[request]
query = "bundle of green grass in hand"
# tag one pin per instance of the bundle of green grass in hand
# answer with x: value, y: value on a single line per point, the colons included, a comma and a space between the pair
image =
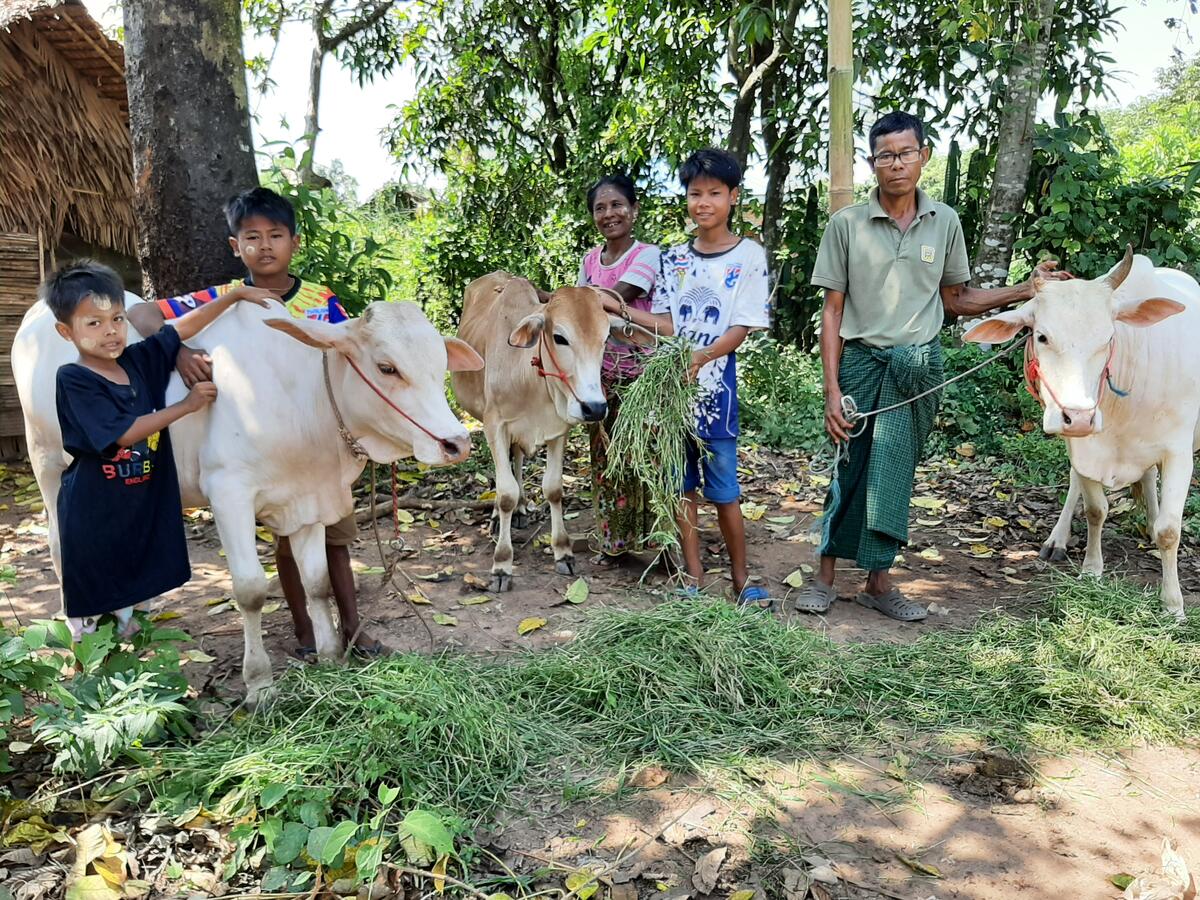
x: 656, y: 422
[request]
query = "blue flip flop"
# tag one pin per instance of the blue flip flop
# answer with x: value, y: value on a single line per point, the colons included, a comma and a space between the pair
x: 755, y: 598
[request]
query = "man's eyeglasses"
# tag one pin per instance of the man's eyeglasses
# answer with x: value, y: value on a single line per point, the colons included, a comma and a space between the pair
x: 884, y: 160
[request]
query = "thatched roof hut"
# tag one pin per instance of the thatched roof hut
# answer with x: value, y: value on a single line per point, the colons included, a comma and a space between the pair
x: 66, y: 164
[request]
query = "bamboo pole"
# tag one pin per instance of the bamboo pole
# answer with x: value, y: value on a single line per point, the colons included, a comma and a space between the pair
x: 841, y: 114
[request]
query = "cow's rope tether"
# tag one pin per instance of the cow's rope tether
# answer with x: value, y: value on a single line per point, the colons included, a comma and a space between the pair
x: 825, y: 463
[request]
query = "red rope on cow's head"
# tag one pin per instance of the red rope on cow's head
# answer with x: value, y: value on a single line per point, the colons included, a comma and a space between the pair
x: 558, y: 373
x: 384, y: 397
x: 1034, y: 376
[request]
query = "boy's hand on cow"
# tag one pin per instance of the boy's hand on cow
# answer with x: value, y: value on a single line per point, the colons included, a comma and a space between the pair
x: 200, y: 396
x: 836, y: 423
x: 262, y: 296
x: 193, y: 366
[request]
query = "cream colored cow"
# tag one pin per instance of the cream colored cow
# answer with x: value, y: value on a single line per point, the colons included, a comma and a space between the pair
x: 541, y: 376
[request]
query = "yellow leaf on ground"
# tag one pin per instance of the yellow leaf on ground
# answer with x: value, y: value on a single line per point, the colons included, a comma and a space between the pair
x: 404, y: 517
x: 265, y: 535
x: 931, y: 503
x: 439, y: 873
x: 995, y: 522
x: 476, y: 601
x: 271, y: 607
x: 795, y: 579
x: 166, y: 616
x: 533, y: 623
x: 443, y: 619
x: 91, y: 887
x: 931, y: 554
x: 578, y: 591
x: 418, y: 599
x: 583, y: 884
x: 216, y: 601
x: 742, y: 895
x: 982, y: 551
x: 487, y: 495
x: 753, y: 511
x: 921, y: 868
x: 1027, y: 524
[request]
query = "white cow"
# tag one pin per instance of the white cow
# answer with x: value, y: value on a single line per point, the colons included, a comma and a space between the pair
x: 269, y: 447
x: 1125, y: 395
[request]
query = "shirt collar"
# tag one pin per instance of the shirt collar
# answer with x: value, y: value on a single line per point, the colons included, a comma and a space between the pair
x: 876, y: 210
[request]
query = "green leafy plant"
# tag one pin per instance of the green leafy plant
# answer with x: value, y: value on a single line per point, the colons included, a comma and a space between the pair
x: 26, y: 669
x: 337, y: 248
x: 119, y: 699
x: 780, y: 397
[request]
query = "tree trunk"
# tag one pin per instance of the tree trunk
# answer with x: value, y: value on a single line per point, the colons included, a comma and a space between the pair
x: 190, y: 125
x: 1014, y: 152
x: 312, y: 122
x: 778, y: 163
x: 841, y: 111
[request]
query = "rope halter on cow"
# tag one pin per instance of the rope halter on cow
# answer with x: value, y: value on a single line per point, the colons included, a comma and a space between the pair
x: 356, y: 448
x: 558, y: 373
x: 1034, y: 376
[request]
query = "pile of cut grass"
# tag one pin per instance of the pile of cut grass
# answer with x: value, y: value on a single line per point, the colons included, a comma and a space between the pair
x: 655, y: 426
x: 691, y: 684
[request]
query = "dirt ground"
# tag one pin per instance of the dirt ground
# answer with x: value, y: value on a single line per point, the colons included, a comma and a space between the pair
x: 988, y: 829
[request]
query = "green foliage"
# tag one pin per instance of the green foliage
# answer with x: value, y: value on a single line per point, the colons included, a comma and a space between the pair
x: 685, y: 684
x: 983, y: 405
x: 1160, y: 134
x: 24, y: 670
x: 337, y: 248
x: 118, y: 699
x: 780, y: 398
x: 1084, y: 208
x: 1031, y: 459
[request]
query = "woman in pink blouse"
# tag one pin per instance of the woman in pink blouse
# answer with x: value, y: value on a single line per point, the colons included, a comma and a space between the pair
x: 629, y: 268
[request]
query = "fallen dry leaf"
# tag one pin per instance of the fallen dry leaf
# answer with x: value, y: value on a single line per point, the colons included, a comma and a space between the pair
x: 533, y: 623
x: 443, y: 619
x: 795, y: 579
x: 919, y: 867
x: 649, y: 777
x: 708, y: 869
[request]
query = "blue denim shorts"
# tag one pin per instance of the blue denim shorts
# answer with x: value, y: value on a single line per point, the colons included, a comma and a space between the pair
x: 719, y: 469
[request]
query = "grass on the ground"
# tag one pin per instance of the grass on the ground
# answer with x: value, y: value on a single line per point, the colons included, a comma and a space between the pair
x: 688, y: 684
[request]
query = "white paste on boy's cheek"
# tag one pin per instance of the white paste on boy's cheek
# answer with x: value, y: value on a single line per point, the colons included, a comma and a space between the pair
x: 87, y: 343
x: 102, y: 303
x: 250, y: 251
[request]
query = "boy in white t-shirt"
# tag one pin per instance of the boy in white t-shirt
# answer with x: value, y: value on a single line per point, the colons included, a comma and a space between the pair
x: 714, y: 291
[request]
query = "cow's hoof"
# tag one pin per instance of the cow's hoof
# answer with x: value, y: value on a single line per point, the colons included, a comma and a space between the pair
x: 501, y: 582
x: 565, y: 566
x: 1052, y: 553
x: 258, y: 698
x: 520, y: 520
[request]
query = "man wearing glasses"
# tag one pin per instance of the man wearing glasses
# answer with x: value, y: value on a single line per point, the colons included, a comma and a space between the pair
x: 892, y: 268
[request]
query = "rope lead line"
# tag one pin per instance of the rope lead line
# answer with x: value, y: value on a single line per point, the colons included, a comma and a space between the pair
x: 825, y: 464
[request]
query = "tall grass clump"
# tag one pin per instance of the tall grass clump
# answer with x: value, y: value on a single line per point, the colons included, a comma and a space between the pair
x: 691, y: 684
x: 656, y: 424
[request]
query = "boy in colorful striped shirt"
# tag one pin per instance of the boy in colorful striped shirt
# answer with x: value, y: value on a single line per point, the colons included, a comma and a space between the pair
x: 262, y: 226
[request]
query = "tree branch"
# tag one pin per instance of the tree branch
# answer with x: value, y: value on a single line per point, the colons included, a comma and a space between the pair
x: 356, y: 26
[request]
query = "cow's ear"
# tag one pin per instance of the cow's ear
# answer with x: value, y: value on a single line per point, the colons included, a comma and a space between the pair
x: 461, y: 356
x: 627, y: 333
x: 527, y: 332
x: 321, y: 335
x: 1001, y: 328
x: 1148, y: 312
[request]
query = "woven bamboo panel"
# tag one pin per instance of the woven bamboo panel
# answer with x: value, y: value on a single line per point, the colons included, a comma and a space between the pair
x: 19, y: 276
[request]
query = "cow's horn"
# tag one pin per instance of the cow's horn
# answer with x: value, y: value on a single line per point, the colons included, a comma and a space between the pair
x: 1114, y: 280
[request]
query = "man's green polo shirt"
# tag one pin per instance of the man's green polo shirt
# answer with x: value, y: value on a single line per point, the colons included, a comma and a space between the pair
x: 892, y: 280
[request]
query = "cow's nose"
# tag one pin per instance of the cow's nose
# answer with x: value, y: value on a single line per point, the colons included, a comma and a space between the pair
x: 456, y: 448
x: 593, y: 411
x: 1078, y: 422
